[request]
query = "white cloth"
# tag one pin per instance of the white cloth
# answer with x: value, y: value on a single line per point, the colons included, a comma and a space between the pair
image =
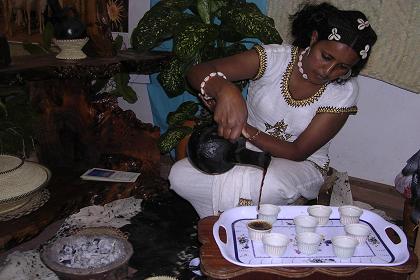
x: 280, y: 116
x: 284, y: 182
x: 285, y: 117
x: 27, y: 265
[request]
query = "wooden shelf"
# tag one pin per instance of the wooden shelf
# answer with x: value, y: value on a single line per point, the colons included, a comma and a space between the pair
x: 46, y: 66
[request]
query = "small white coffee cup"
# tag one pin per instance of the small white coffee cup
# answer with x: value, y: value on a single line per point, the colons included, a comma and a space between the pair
x: 359, y: 231
x: 275, y: 244
x: 344, y: 246
x: 308, y: 242
x: 268, y: 212
x: 321, y: 212
x: 349, y: 214
x: 304, y: 223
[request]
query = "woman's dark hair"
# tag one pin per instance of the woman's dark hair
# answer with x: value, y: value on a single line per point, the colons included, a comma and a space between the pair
x: 322, y: 18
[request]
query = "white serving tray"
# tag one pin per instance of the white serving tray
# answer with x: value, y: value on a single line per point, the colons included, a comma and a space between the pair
x: 378, y: 250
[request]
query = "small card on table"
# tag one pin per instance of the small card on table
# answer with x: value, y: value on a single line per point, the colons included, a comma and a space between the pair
x: 100, y: 174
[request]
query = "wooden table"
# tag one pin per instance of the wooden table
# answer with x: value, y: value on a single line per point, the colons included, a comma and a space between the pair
x: 215, y: 266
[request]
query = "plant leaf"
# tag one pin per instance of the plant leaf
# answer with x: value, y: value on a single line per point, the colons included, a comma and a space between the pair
x: 216, y: 6
x: 121, y: 78
x: 203, y: 8
x: 171, y: 138
x: 192, y: 38
x: 248, y: 20
x: 185, y: 111
x: 172, y: 77
x: 47, y: 35
x: 3, y: 107
x: 127, y: 93
x: 117, y: 43
x: 33, y: 48
x: 158, y: 23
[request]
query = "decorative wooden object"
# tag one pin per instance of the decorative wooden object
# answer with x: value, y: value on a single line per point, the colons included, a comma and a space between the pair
x: 98, y: 28
x: 47, y: 67
x: 214, y: 266
x: 79, y: 130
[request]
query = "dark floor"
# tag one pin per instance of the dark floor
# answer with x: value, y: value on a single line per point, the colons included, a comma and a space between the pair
x: 164, y: 237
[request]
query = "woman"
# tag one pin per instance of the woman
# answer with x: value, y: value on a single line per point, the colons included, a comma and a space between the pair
x: 299, y: 98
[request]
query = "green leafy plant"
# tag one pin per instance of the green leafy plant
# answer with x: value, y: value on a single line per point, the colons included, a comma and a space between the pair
x: 201, y: 30
x: 16, y: 121
x: 177, y: 127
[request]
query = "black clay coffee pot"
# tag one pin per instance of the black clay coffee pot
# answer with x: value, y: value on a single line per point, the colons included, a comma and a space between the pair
x: 66, y: 21
x: 213, y: 154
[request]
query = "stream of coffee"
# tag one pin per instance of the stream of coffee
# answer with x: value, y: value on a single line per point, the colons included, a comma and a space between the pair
x: 261, y: 187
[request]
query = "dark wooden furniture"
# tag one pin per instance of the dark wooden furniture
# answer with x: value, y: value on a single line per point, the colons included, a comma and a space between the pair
x: 78, y: 129
x: 215, y: 266
x: 68, y: 193
x: 76, y: 126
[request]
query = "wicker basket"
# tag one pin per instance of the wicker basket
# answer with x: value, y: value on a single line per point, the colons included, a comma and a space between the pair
x: 71, y: 49
x: 19, y: 181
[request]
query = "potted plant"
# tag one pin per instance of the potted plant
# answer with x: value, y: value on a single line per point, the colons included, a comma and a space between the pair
x: 201, y: 30
x: 16, y: 122
x: 181, y: 123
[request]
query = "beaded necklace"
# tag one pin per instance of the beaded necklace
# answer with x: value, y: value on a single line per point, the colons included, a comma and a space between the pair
x: 285, y: 85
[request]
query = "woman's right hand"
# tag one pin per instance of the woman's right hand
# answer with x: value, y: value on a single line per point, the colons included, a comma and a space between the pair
x: 230, y: 112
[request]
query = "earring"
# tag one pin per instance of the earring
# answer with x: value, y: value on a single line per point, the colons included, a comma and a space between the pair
x: 304, y: 75
x: 346, y: 76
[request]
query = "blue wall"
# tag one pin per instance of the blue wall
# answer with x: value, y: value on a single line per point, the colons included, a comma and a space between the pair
x: 160, y: 103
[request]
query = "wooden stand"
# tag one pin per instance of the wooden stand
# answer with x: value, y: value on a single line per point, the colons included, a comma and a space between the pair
x: 78, y: 130
x: 215, y: 266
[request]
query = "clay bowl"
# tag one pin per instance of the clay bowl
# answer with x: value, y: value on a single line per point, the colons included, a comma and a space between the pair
x: 118, y: 269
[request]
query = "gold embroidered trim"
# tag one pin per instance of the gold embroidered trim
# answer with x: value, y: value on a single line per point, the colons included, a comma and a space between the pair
x: 330, y: 109
x: 285, y: 85
x: 263, y: 62
x: 278, y: 130
x: 245, y: 202
x: 323, y: 169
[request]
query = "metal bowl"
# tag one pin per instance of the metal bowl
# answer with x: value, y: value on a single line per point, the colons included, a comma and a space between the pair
x: 117, y: 269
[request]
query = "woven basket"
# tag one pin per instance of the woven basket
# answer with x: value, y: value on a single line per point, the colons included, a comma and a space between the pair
x: 19, y: 182
x: 71, y: 49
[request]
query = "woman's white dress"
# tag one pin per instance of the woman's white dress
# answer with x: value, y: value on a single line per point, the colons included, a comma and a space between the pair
x: 273, y: 111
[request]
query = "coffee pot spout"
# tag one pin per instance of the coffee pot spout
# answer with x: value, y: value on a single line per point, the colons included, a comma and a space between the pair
x: 246, y: 156
x: 213, y: 154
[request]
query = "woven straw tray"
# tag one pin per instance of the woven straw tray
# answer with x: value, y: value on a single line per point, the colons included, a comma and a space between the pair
x: 378, y: 250
x: 18, y: 186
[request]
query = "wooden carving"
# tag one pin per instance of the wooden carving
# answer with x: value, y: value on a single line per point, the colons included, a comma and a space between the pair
x: 20, y: 12
x: 78, y: 130
x: 98, y: 28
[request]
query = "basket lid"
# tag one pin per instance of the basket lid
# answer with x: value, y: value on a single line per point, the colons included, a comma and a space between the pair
x: 20, y: 178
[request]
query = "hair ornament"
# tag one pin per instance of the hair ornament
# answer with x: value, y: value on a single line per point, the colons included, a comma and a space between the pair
x: 364, y: 52
x: 362, y: 24
x: 334, y: 35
